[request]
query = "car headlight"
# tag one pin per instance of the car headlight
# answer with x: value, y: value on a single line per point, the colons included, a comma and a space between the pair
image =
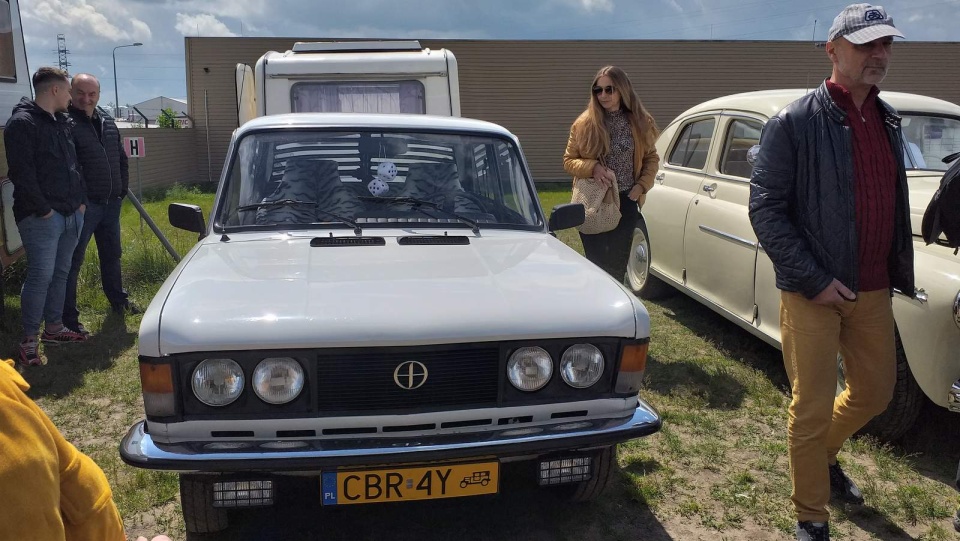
x: 581, y: 365
x: 956, y: 309
x: 529, y: 368
x: 217, y: 382
x: 278, y: 380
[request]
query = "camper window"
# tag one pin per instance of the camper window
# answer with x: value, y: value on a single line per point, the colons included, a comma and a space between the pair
x: 8, y: 63
x: 358, y: 97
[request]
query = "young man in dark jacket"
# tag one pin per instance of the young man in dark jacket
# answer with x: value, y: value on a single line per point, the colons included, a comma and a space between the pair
x: 100, y: 153
x: 828, y: 202
x: 48, y: 205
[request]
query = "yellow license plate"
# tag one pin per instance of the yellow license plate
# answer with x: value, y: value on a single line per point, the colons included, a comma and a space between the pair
x: 407, y: 484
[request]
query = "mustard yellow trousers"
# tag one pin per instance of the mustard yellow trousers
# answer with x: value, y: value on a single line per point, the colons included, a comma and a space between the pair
x: 819, y: 420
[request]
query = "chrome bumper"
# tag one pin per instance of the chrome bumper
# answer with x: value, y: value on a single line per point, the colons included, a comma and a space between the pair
x: 953, y: 397
x: 138, y: 449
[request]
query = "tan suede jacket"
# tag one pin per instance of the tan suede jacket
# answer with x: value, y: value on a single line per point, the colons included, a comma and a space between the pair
x: 645, y: 160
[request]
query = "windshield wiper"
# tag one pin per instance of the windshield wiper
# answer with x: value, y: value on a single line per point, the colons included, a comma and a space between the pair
x: 416, y: 203
x: 285, y: 202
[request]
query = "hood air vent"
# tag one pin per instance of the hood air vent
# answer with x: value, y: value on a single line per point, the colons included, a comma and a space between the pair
x: 347, y: 241
x: 433, y: 240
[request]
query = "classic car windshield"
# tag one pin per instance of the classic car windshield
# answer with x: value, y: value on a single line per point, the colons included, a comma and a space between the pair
x: 929, y: 138
x: 297, y: 179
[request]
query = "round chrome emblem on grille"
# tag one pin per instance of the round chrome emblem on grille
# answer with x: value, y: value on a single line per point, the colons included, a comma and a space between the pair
x: 410, y: 375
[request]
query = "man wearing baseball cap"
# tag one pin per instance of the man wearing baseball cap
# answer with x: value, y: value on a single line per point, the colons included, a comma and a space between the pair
x: 828, y: 202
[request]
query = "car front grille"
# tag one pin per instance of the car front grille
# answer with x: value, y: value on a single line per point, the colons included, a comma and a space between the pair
x: 407, y: 378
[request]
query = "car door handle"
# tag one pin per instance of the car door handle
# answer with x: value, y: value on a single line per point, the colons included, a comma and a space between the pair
x: 659, y: 177
x: 710, y: 187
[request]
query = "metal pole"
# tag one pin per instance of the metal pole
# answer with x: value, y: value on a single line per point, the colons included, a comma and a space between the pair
x: 156, y: 230
x: 206, y: 121
x: 116, y: 94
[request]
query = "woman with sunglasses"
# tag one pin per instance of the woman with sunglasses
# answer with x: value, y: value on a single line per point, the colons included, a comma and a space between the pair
x: 612, y: 142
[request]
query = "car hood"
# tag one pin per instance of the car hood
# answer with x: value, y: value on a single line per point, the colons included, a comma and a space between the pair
x: 922, y: 184
x: 279, y: 292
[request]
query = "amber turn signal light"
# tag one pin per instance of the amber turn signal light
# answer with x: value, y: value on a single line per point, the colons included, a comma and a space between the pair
x: 156, y: 378
x: 634, y: 358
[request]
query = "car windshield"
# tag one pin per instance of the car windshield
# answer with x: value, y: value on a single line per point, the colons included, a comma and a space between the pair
x: 301, y: 179
x: 929, y: 139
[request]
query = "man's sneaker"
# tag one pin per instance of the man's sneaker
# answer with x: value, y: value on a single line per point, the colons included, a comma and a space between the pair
x: 79, y: 328
x: 813, y: 531
x: 842, y: 488
x: 62, y: 336
x: 28, y: 353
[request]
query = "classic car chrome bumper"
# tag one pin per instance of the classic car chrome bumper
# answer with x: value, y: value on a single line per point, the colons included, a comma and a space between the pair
x: 519, y: 440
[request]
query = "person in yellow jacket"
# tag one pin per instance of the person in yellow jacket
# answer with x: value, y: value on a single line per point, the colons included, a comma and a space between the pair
x: 51, y: 491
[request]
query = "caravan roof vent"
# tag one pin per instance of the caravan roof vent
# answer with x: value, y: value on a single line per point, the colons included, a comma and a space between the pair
x: 354, y: 46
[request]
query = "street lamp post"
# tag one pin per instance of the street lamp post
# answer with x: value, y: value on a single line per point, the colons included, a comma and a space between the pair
x: 116, y: 96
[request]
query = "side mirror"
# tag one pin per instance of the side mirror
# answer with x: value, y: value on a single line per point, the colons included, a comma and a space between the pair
x: 752, y: 154
x: 188, y: 217
x: 566, y: 216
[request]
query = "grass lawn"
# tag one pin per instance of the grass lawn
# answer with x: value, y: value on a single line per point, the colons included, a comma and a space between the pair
x: 717, y: 470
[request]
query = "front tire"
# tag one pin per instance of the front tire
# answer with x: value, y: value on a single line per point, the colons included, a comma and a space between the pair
x: 638, y: 277
x: 904, y: 407
x: 196, y: 500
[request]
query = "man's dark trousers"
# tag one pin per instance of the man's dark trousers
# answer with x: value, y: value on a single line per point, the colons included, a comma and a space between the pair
x: 102, y: 222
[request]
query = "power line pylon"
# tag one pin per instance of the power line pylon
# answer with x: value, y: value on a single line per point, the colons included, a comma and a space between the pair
x: 62, y: 53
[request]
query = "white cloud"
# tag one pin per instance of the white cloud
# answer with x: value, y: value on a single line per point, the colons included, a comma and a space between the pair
x: 597, y: 5
x: 202, y: 24
x: 87, y: 17
x: 240, y: 9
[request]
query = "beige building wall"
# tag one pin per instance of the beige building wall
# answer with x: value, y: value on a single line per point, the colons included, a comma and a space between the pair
x: 537, y: 88
x: 170, y: 157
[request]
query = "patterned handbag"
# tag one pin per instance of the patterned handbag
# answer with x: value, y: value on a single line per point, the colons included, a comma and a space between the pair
x: 601, y: 205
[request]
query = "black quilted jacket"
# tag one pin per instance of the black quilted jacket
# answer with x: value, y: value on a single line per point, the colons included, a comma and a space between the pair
x: 101, y: 155
x: 802, y: 200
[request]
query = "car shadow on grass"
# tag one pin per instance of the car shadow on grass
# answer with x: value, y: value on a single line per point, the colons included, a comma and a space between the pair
x: 931, y: 445
x: 726, y: 337
x: 521, y: 511
x: 687, y: 378
x: 67, y: 363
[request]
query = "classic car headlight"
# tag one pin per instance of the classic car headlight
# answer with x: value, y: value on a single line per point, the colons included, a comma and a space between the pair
x: 217, y: 382
x: 529, y: 368
x: 278, y: 380
x: 581, y: 365
x: 956, y: 309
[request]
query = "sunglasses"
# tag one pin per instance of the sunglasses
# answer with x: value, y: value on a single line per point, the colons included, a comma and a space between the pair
x: 597, y: 90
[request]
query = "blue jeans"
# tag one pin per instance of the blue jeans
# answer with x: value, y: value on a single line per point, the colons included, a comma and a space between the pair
x: 49, y: 244
x: 102, y: 222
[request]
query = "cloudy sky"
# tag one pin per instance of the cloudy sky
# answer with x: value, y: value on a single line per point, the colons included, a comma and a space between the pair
x: 92, y: 28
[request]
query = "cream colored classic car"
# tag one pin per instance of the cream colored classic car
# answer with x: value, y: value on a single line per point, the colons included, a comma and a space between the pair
x: 694, y: 235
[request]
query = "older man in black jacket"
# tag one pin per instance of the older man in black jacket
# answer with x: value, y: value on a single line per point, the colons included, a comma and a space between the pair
x: 828, y: 202
x: 100, y: 153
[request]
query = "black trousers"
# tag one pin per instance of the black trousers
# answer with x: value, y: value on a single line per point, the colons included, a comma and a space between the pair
x: 611, y: 250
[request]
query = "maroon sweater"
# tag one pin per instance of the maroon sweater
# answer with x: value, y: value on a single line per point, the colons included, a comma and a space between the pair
x: 874, y: 185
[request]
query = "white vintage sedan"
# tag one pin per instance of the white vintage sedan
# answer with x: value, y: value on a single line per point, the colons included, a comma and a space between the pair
x: 378, y: 308
x: 694, y: 235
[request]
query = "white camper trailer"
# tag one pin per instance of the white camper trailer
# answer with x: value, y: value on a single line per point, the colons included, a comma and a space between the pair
x: 350, y: 76
x: 14, y: 84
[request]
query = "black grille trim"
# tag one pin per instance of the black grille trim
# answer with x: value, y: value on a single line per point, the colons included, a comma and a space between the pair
x: 362, y: 382
x: 434, y: 240
x: 319, y: 242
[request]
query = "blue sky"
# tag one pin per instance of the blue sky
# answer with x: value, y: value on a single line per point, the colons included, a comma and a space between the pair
x: 92, y: 28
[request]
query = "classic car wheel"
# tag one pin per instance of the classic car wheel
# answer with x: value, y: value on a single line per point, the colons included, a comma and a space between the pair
x: 904, y: 407
x: 196, y: 500
x: 605, y: 467
x: 638, y: 277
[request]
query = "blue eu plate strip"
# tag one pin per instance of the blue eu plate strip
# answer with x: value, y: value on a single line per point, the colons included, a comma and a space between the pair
x: 329, y: 487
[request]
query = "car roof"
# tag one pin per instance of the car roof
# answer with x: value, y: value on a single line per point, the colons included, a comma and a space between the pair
x: 352, y: 121
x: 770, y: 102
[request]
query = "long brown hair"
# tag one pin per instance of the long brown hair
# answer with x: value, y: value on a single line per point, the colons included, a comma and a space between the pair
x: 596, y: 140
